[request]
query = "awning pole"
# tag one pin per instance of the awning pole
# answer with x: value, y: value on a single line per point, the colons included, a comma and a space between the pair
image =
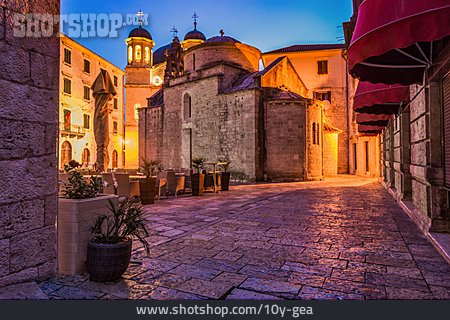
x: 411, y: 56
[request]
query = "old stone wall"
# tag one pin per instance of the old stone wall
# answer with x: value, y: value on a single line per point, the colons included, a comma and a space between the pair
x: 150, y: 131
x: 421, y: 191
x: 209, y: 54
x: 285, y: 140
x: 28, y: 139
x: 220, y: 126
x: 284, y: 75
x: 314, y: 133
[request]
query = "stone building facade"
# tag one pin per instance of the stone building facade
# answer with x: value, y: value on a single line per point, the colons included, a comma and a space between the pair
x: 415, y: 143
x: 224, y: 107
x: 29, y: 69
x: 323, y: 68
x: 79, y: 67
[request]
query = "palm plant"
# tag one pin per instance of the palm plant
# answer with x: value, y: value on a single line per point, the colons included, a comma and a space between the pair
x: 125, y: 222
x: 198, y: 164
x: 224, y: 163
x: 149, y: 167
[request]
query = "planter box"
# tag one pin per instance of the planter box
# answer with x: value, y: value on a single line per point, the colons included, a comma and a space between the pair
x: 74, y: 219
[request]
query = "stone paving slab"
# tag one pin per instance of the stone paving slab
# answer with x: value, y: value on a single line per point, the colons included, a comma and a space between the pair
x: 344, y: 238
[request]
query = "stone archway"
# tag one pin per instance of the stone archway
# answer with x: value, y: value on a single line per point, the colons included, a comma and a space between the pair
x: 115, y: 159
x: 66, y: 153
x: 86, y: 157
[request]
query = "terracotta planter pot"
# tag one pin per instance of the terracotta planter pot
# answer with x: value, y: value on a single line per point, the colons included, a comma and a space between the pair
x: 198, y: 181
x: 108, y: 261
x: 74, y: 219
x: 225, y: 181
x: 147, y: 189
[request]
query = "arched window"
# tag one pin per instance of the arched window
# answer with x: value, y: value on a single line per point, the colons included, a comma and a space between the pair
x: 138, y: 53
x: 136, y: 111
x: 130, y: 54
x: 314, y: 132
x: 86, y: 157
x: 147, y: 55
x: 115, y: 159
x: 187, y: 103
x: 66, y: 153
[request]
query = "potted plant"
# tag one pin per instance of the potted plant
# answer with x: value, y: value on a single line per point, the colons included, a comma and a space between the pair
x: 109, y: 252
x: 147, y: 186
x: 198, y: 178
x: 78, y: 206
x: 225, y: 181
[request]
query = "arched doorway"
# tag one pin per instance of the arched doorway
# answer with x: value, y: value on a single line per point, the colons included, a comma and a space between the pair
x: 66, y: 153
x: 115, y: 159
x: 86, y: 157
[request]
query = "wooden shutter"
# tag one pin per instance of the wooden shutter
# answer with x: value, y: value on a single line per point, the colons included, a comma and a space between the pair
x: 446, y: 102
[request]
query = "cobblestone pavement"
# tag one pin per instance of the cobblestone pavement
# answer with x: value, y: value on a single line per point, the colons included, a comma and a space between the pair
x: 344, y: 238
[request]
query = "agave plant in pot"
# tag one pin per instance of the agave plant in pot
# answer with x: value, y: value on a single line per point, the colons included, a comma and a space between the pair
x: 109, y: 252
x: 147, y: 186
x: 197, y: 178
x: 225, y: 181
x: 78, y: 207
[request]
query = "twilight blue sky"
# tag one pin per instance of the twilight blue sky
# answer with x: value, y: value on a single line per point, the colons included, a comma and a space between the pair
x: 265, y: 24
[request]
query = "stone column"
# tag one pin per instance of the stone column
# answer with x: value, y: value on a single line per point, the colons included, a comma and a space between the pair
x: 439, y: 214
x: 405, y: 154
x: 29, y: 86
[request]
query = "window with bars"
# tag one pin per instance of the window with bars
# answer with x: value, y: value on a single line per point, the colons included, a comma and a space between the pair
x: 86, y: 121
x: 87, y: 66
x: 116, y: 81
x: 322, y: 67
x: 322, y: 95
x: 87, y: 93
x: 115, y: 127
x: 67, y: 86
x: 115, y: 104
x: 67, y: 56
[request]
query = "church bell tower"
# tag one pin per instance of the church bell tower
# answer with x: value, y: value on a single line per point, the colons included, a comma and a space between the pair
x: 138, y: 87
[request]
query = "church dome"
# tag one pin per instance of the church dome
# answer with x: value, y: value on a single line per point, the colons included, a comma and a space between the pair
x: 140, y: 33
x: 222, y: 39
x: 195, y: 35
x: 159, y: 56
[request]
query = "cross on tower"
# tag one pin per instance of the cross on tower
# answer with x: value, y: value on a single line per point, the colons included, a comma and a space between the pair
x: 140, y: 14
x: 174, y: 31
x: 221, y: 33
x: 195, y: 17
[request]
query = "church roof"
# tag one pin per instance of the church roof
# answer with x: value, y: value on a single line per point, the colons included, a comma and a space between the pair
x: 195, y: 35
x: 286, y: 95
x: 308, y: 47
x: 222, y: 39
x: 140, y: 33
x: 159, y: 56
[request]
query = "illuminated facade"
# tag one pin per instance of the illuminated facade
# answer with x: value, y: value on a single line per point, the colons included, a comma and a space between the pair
x: 144, y: 77
x: 79, y: 67
x: 322, y: 67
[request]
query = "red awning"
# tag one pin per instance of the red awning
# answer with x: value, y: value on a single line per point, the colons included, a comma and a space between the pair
x: 392, y: 41
x: 370, y: 129
x: 379, y: 98
x: 380, y: 120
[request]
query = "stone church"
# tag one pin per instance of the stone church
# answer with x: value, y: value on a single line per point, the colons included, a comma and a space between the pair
x: 216, y: 103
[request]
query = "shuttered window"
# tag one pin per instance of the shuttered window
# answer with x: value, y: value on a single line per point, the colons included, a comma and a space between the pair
x: 446, y: 100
